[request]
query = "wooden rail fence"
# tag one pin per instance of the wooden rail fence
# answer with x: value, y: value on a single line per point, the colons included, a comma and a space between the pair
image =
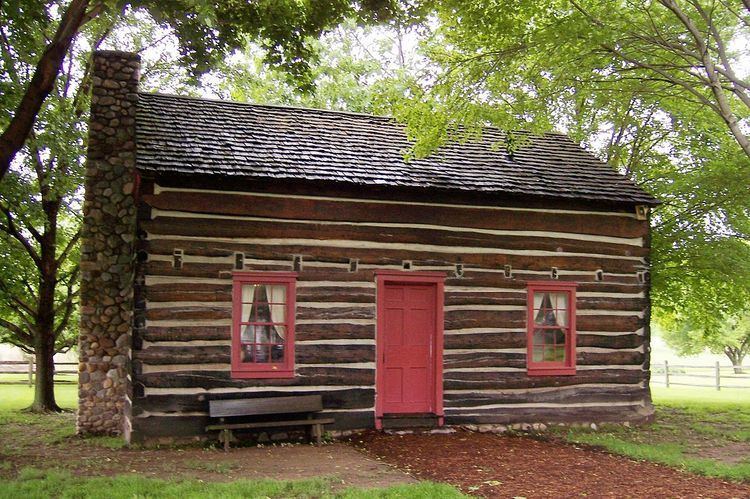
x: 28, y: 367
x: 668, y: 375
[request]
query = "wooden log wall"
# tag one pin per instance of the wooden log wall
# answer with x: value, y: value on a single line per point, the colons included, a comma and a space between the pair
x: 183, y: 318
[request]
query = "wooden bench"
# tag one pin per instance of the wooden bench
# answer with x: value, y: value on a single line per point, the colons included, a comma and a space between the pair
x: 290, y: 408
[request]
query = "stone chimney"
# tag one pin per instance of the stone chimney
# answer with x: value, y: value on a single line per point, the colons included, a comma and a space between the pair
x: 107, y: 250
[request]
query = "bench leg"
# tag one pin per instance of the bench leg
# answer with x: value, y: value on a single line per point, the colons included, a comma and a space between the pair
x: 226, y: 436
x: 318, y: 434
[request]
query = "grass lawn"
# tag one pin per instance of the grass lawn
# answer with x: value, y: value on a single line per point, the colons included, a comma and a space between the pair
x: 700, y: 430
x: 33, y: 483
x: 14, y: 397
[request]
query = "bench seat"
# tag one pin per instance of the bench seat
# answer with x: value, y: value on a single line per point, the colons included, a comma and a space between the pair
x: 287, y: 408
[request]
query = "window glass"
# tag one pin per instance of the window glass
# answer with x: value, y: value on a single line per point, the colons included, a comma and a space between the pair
x: 262, y: 326
x: 550, y: 336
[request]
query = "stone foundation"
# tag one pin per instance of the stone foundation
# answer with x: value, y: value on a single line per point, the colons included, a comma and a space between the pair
x: 107, y: 255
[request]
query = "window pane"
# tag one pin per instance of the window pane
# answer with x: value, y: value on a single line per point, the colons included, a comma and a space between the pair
x: 550, y: 309
x: 276, y: 293
x: 560, y: 300
x: 248, y: 292
x: 278, y: 313
x: 544, y: 314
x: 277, y: 353
x: 538, y: 337
x: 549, y: 353
x: 538, y: 354
x: 247, y: 353
x: 248, y: 313
x: 248, y: 334
x: 557, y: 354
x: 261, y: 353
x: 277, y: 334
x: 549, y: 336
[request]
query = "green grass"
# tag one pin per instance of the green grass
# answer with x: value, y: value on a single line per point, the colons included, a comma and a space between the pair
x: 692, y: 427
x: 32, y: 483
x: 16, y: 397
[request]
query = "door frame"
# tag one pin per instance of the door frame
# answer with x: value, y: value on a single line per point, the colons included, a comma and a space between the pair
x: 436, y: 279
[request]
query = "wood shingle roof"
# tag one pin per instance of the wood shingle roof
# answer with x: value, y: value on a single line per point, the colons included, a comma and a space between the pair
x: 180, y: 135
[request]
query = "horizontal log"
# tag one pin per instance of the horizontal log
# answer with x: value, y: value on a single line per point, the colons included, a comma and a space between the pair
x: 325, y: 331
x: 280, y: 229
x: 353, y: 420
x: 204, y: 292
x: 304, y: 376
x: 562, y: 395
x: 633, y: 304
x: 322, y: 314
x: 206, y: 312
x: 483, y: 359
x: 504, y: 380
x: 336, y: 294
x: 486, y: 340
x: 609, y: 323
x: 334, y: 354
x: 486, y: 298
x: 158, y: 355
x: 462, y: 319
x: 305, y: 354
x: 605, y: 341
x: 295, y: 208
x: 187, y: 333
x: 379, y: 255
x: 615, y: 358
x: 147, y: 428
x: 602, y: 414
x: 355, y: 398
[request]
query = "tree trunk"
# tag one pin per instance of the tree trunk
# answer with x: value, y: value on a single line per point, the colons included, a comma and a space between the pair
x: 44, y: 396
x: 44, y: 386
x: 736, y: 356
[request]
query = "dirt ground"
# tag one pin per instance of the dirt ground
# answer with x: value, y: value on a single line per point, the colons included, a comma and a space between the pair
x: 504, y: 466
x: 42, y: 446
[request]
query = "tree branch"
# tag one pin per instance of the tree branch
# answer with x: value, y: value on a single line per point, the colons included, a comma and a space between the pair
x: 13, y: 231
x: 17, y: 330
x: 42, y: 83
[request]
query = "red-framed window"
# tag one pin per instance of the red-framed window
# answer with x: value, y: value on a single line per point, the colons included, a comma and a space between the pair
x: 551, y: 328
x: 263, y: 324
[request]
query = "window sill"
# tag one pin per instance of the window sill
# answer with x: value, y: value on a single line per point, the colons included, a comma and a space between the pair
x: 263, y: 374
x: 551, y: 371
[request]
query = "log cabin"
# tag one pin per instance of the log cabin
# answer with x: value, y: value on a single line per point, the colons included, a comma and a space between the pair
x: 238, y: 251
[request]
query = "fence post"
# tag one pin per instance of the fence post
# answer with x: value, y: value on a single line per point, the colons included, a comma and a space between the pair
x: 718, y: 376
x: 31, y: 370
x: 666, y: 373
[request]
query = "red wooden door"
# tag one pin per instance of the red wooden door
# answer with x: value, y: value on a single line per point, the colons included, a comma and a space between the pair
x: 409, y: 319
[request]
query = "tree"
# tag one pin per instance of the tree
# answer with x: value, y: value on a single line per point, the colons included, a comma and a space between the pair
x: 40, y: 199
x: 732, y: 339
x: 636, y: 84
x: 284, y: 28
x: 357, y: 69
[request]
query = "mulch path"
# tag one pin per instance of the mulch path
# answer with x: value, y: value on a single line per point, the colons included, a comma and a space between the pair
x: 490, y: 465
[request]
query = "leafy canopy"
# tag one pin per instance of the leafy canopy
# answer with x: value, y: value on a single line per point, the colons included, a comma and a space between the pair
x: 654, y: 88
